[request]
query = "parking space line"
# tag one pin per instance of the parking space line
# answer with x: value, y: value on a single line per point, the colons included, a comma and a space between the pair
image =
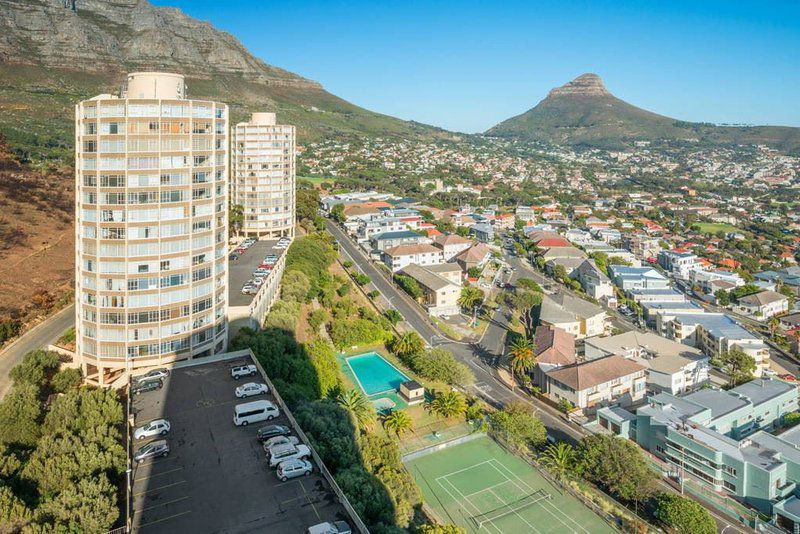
x: 309, y: 499
x: 157, y: 474
x: 140, y: 510
x: 153, y: 462
x: 173, y: 516
x: 159, y: 488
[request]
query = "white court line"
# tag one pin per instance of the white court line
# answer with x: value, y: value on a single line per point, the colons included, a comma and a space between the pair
x: 465, y: 469
x: 467, y: 501
x: 516, y: 512
x: 490, y: 488
x: 545, y: 502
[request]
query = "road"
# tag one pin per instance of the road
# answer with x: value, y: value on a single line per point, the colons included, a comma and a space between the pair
x: 41, y: 335
x: 483, y: 356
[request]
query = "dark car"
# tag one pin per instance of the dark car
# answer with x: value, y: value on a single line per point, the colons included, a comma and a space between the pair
x: 270, y: 431
x: 233, y: 256
x: 147, y: 385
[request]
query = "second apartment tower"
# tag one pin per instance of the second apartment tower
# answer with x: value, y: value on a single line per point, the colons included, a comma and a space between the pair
x: 263, y: 175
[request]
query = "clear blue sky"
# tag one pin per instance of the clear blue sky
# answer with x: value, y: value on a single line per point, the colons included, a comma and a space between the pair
x: 466, y: 65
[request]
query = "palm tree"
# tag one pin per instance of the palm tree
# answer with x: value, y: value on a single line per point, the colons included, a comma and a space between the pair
x: 359, y: 406
x: 448, y: 404
x: 521, y: 356
x: 559, y: 458
x: 397, y: 421
x: 407, y: 343
x: 470, y: 297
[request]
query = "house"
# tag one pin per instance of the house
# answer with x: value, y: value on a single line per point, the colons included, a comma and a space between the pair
x: 525, y: 213
x: 595, y: 282
x: 561, y: 252
x: 706, y: 279
x: 366, y: 227
x: 452, y: 245
x: 679, y: 263
x: 672, y: 367
x: 642, y: 246
x: 483, y: 232
x: 387, y: 240
x: 790, y: 322
x: 440, y: 292
x: 576, y: 316
x: 763, y: 305
x: 475, y: 256
x: 399, y: 257
x: 630, y: 278
x: 716, y: 333
x: 504, y: 221
x: 553, y: 347
x: 654, y: 311
x: 721, y: 440
x: 596, y: 383
x: 789, y: 277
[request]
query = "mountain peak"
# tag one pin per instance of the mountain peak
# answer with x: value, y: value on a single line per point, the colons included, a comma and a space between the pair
x: 588, y: 84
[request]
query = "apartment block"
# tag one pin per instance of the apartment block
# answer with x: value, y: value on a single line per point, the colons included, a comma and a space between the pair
x: 151, y: 227
x: 263, y: 175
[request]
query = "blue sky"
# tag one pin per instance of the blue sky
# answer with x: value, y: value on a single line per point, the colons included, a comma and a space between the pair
x: 468, y: 65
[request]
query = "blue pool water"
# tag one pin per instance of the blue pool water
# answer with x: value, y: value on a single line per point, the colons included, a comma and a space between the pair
x: 374, y: 374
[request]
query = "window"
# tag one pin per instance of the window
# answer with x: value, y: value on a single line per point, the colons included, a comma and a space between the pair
x: 730, y: 470
x: 90, y: 146
x: 165, y: 265
x: 730, y: 486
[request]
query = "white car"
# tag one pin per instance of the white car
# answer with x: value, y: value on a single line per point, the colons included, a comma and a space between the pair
x: 250, y: 389
x: 280, y: 440
x: 159, y: 427
x: 282, y: 453
x: 293, y: 469
x: 238, y: 371
x: 337, y: 527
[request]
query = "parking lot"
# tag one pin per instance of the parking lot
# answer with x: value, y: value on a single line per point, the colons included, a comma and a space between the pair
x: 216, y: 477
x: 241, y: 270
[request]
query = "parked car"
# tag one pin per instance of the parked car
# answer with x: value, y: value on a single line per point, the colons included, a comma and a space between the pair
x: 154, y: 374
x: 336, y: 527
x: 159, y: 427
x: 266, y: 432
x: 233, y: 256
x: 147, y: 385
x: 238, y: 371
x: 249, y: 289
x: 271, y: 259
x: 152, y: 450
x: 788, y: 377
x: 240, y: 250
x: 280, y: 440
x: 256, y: 282
x: 293, y: 469
x: 250, y: 389
x: 261, y: 271
x: 288, y: 452
x: 254, y: 412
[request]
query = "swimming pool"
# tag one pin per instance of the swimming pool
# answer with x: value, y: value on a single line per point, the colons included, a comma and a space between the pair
x: 374, y: 374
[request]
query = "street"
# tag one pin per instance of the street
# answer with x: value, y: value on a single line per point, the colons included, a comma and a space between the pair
x: 40, y: 336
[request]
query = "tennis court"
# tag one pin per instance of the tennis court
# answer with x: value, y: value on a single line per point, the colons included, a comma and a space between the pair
x: 483, y: 488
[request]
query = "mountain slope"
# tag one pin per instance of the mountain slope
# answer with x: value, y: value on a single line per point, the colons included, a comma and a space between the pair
x: 583, y: 112
x: 51, y: 57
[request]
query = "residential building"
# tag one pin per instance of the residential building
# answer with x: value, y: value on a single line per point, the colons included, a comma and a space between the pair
x: 263, y: 175
x: 387, y: 240
x: 672, y: 367
x: 597, y: 383
x: 475, y: 256
x: 642, y: 246
x: 397, y: 258
x: 562, y: 252
x: 630, y: 278
x: 655, y: 312
x: 452, y: 245
x: 574, y: 315
x: 594, y: 281
x: 763, y: 305
x: 679, y: 263
x: 151, y: 227
x: 553, y: 347
x: 789, y: 277
x: 706, y: 280
x: 440, y: 291
x: 667, y: 294
x: 366, y: 227
x: 525, y: 213
x: 483, y: 232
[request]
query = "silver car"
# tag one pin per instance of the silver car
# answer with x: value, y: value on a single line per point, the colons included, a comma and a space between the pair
x: 153, y: 428
x: 250, y: 389
x: 152, y: 450
x: 293, y: 469
x: 280, y: 440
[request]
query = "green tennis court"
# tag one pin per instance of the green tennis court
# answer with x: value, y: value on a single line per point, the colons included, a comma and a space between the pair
x: 483, y: 488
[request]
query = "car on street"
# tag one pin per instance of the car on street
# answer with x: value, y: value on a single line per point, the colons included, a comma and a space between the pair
x: 280, y: 440
x: 266, y: 432
x: 250, y: 389
x: 152, y: 450
x: 293, y: 469
x: 336, y: 527
x: 159, y: 427
x: 154, y: 374
x: 788, y: 377
x: 238, y: 371
x: 282, y: 453
x: 147, y: 385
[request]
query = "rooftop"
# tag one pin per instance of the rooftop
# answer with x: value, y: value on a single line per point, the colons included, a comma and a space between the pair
x: 407, y: 250
x: 718, y: 325
x: 595, y: 372
x: 430, y: 280
x: 396, y: 235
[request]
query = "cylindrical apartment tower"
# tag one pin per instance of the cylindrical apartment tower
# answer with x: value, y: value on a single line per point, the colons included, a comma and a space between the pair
x: 151, y: 225
x: 263, y: 181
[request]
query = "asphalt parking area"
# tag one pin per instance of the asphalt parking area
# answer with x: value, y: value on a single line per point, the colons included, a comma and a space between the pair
x: 216, y: 477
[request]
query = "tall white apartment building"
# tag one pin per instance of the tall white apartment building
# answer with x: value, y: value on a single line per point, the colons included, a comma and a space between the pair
x: 263, y: 168
x: 151, y: 227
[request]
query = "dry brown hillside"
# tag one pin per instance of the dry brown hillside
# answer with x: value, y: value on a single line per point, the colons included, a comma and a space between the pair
x: 36, y: 238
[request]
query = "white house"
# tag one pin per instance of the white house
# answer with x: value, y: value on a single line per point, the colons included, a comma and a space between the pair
x: 574, y: 315
x: 452, y: 244
x: 595, y: 282
x: 398, y: 257
x: 629, y: 278
x: 763, y: 305
x: 678, y: 263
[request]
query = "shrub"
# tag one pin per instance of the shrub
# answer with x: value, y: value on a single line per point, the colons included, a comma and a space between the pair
x: 316, y: 318
x: 372, y: 295
x: 516, y: 425
x: 295, y: 286
x: 343, y: 290
x: 19, y: 416
x: 66, y: 379
x: 284, y: 315
x: 409, y: 285
x: 33, y: 367
x: 347, y: 264
x: 9, y: 328
x: 684, y: 516
x: 393, y: 316
x: 618, y: 465
x: 440, y: 364
x: 346, y: 333
x: 361, y: 279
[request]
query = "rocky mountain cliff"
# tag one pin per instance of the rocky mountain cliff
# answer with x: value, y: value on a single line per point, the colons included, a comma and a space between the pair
x: 52, y: 56
x: 584, y: 112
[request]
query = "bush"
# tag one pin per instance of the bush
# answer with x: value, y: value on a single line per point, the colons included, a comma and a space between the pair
x: 284, y: 315
x: 393, y: 316
x: 295, y: 286
x: 33, y: 367
x: 323, y: 358
x: 517, y: 426
x: 316, y: 318
x: 347, y: 264
x: 343, y: 290
x: 372, y: 295
x: 66, y: 379
x: 791, y: 419
x: 440, y: 364
x: 8, y: 329
x: 361, y: 279
x: 347, y: 333
x: 409, y: 285
x: 20, y: 411
x: 616, y: 464
x: 684, y: 516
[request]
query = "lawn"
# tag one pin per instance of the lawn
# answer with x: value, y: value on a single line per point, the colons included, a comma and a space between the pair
x: 314, y: 180
x: 713, y: 228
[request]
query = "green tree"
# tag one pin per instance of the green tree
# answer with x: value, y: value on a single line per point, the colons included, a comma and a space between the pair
x: 474, y: 272
x: 235, y: 219
x: 447, y: 404
x: 283, y: 315
x: 521, y: 356
x: 66, y: 379
x: 529, y: 285
x: 439, y: 364
x: 322, y: 356
x: 723, y: 297
x: 90, y: 505
x: 559, y: 458
x: 470, y: 297
x: 33, y: 367
x: 409, y: 285
x: 337, y: 213
x: 516, y: 425
x: 295, y: 286
x: 393, y: 316
x: 738, y: 365
x: 617, y: 464
x: 397, y: 421
x: 407, y: 343
x: 361, y: 279
x: 84, y: 409
x: 20, y: 411
x: 359, y: 407
x: 684, y: 516
x: 560, y: 273
x: 13, y: 511
x: 439, y: 529
x: 316, y: 318
x: 525, y: 303
x: 791, y: 419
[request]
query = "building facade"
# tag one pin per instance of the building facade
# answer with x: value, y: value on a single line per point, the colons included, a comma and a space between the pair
x: 263, y: 175
x: 151, y: 227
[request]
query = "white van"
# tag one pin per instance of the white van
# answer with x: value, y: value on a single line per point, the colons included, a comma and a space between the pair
x: 253, y: 412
